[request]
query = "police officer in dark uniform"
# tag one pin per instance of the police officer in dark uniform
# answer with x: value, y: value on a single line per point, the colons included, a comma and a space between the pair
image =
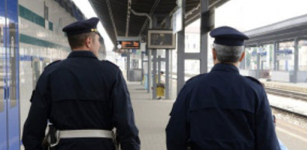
x: 84, y: 98
x: 222, y: 110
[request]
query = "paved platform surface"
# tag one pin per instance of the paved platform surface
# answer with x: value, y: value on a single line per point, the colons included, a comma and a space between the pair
x: 151, y: 117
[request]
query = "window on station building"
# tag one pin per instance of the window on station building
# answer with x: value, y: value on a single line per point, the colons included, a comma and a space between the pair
x: 302, y: 55
x: 250, y: 61
x: 192, y: 31
x: 285, y: 56
x: 266, y: 57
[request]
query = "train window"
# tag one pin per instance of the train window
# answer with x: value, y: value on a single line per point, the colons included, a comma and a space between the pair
x: 285, y: 56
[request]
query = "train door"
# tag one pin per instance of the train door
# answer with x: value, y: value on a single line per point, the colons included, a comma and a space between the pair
x: 9, y: 72
x: 12, y: 83
x: 3, y: 102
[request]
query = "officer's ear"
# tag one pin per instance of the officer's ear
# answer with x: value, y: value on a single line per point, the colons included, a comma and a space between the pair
x: 242, y: 56
x: 88, y: 41
x: 214, y: 54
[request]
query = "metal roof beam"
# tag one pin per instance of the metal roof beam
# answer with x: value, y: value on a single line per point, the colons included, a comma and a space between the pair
x: 111, y: 16
x: 128, y: 17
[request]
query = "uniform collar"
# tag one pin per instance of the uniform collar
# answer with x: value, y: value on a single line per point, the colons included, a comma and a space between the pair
x: 75, y: 54
x: 225, y: 67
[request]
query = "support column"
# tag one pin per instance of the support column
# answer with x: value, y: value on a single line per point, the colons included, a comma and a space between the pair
x: 258, y: 62
x: 296, y: 52
x: 149, y: 53
x: 149, y: 71
x: 159, y: 69
x: 167, y: 74
x: 277, y: 62
x: 142, y: 66
x: 275, y: 56
x: 128, y: 64
x: 167, y: 64
x: 204, y: 36
x: 180, y: 50
x: 154, y: 72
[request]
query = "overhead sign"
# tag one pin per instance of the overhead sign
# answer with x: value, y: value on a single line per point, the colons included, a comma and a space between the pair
x: 161, y: 39
x: 128, y: 44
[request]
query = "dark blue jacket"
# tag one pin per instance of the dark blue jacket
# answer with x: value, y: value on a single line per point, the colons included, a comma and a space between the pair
x: 81, y: 92
x: 221, y: 110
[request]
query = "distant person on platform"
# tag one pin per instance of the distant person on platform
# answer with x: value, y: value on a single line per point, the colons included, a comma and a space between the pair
x: 222, y: 110
x: 84, y: 98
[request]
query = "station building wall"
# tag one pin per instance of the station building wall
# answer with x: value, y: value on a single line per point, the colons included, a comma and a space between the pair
x: 41, y: 42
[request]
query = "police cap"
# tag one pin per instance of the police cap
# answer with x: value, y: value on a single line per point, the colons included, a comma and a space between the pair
x: 228, y: 36
x: 82, y: 26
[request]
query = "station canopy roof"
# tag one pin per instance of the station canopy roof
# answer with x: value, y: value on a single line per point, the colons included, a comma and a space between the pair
x: 119, y: 22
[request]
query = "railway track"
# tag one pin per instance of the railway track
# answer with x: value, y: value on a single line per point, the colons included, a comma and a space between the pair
x: 291, y: 94
x: 285, y: 93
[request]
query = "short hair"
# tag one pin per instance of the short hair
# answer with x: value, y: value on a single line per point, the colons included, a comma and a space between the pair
x: 76, y: 41
x: 228, y: 54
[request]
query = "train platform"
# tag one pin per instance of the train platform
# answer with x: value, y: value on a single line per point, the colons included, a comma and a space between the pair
x: 151, y: 117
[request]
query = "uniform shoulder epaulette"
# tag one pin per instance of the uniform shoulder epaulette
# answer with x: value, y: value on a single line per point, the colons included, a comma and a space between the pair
x: 254, y: 79
x: 54, y: 62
